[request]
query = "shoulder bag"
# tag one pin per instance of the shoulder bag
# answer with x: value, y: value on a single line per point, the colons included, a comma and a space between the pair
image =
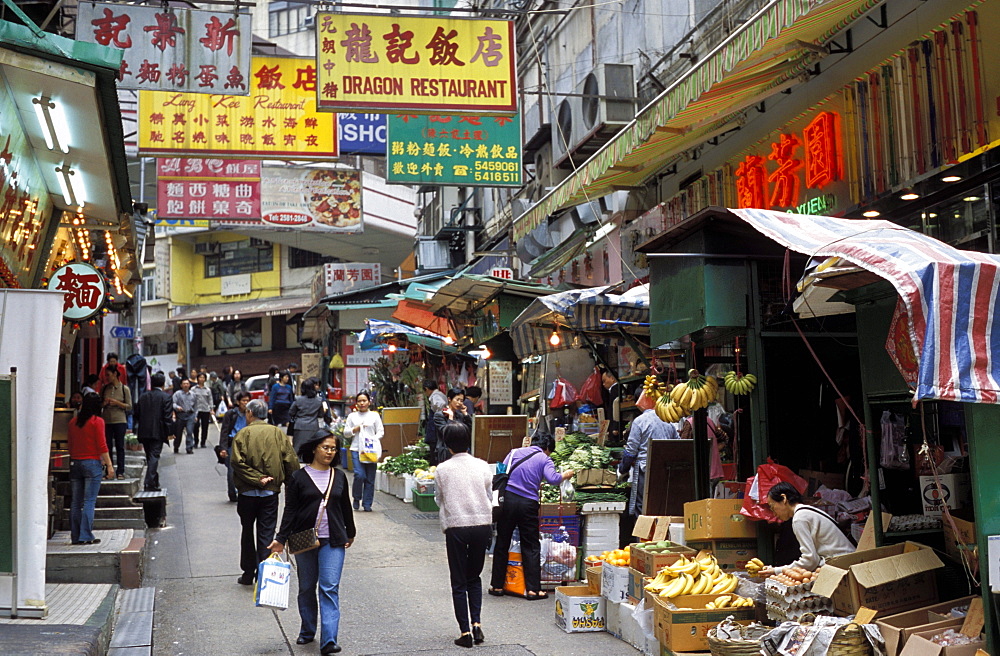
x: 309, y: 539
x: 500, y: 479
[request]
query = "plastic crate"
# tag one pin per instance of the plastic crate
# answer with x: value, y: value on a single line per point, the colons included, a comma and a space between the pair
x: 424, y: 502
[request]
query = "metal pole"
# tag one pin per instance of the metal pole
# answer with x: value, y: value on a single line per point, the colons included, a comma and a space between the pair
x: 13, y: 491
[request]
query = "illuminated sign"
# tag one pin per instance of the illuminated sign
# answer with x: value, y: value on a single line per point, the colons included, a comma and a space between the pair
x: 277, y: 119
x: 780, y: 185
x: 415, y: 64
x: 85, y: 290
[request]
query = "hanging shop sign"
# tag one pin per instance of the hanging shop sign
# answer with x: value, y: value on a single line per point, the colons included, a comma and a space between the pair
x: 25, y: 204
x: 85, y: 290
x: 362, y: 133
x: 416, y: 64
x: 188, y: 188
x: 454, y: 150
x: 172, y: 49
x: 501, y: 383
x: 342, y: 277
x: 315, y: 200
x: 277, y: 119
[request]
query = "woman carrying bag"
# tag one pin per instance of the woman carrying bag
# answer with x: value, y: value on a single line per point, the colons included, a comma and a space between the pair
x: 318, y: 519
x: 365, y: 428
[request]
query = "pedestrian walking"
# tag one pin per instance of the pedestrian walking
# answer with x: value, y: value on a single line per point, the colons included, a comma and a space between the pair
x: 364, y: 425
x: 218, y: 390
x: 456, y: 410
x: 183, y: 402
x: 117, y: 401
x: 280, y: 399
x: 308, y: 413
x: 154, y: 422
x: 464, y: 494
x: 111, y: 363
x: 88, y: 462
x: 234, y: 386
x: 316, y: 496
x: 232, y: 422
x: 528, y: 467
x: 262, y: 460
x: 203, y: 408
x: 179, y: 378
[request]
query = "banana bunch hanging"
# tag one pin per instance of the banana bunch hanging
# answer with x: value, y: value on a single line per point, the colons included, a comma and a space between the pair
x: 694, y: 394
x: 653, y: 388
x: 739, y: 384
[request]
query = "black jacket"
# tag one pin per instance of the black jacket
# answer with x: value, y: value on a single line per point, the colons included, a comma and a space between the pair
x: 226, y: 427
x: 302, y: 501
x: 154, y: 417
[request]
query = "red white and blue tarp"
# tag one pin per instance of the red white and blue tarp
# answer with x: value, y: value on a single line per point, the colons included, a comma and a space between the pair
x: 950, y: 295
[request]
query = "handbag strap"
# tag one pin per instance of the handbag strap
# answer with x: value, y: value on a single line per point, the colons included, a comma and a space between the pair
x: 326, y: 496
x: 524, y: 459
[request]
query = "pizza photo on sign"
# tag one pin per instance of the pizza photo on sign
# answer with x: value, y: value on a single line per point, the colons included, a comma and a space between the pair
x: 337, y: 200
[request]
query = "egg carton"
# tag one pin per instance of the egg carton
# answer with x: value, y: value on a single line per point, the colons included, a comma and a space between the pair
x: 778, y: 590
x: 603, y: 507
x: 780, y: 614
x: 812, y: 603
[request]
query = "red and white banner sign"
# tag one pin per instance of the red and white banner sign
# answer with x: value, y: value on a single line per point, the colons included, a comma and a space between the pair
x: 217, y: 189
x: 172, y: 49
x: 338, y: 277
x: 85, y: 288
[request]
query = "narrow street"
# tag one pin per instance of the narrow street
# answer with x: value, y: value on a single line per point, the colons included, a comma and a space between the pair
x: 395, y: 597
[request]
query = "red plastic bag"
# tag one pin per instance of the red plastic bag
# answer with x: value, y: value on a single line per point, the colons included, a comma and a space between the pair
x: 768, y: 475
x: 564, y: 395
x: 590, y: 391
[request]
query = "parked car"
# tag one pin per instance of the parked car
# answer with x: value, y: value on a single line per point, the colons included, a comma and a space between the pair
x: 257, y: 385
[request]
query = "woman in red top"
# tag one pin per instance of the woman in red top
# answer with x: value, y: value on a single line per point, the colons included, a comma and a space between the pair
x: 88, y: 462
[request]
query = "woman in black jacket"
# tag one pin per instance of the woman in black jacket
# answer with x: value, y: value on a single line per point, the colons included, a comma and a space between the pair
x: 306, y: 508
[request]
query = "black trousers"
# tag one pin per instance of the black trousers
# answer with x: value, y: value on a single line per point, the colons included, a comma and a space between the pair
x: 202, y: 422
x: 259, y: 518
x: 153, y: 450
x: 522, y: 514
x: 467, y: 547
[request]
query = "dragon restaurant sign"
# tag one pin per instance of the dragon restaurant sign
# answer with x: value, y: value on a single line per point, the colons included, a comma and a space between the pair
x: 798, y: 169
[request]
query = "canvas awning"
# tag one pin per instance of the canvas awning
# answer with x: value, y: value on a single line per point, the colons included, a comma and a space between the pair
x: 768, y: 54
x: 467, y: 292
x: 371, y: 337
x: 579, y: 311
x: 949, y: 296
x: 213, y: 312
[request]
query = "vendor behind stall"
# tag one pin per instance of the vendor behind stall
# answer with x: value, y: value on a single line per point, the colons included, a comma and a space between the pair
x: 818, y: 534
x: 647, y: 426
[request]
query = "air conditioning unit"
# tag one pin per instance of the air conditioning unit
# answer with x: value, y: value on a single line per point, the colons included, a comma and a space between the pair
x: 546, y: 173
x: 535, y: 123
x: 433, y: 254
x: 605, y: 103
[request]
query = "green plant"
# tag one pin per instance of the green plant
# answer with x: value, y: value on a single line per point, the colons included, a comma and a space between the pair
x: 395, y: 382
x: 404, y: 464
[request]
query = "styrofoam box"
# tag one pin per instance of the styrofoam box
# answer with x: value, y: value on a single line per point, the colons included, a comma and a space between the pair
x: 614, y: 583
x: 613, y: 618
x: 676, y: 533
x: 631, y: 633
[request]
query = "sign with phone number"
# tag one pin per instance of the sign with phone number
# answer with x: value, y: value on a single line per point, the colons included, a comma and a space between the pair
x: 454, y: 150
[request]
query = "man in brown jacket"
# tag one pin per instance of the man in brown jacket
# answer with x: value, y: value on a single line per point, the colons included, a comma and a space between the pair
x: 262, y: 459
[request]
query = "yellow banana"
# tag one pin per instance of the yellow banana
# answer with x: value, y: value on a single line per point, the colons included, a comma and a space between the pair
x: 688, y: 585
x: 703, y: 582
x: 673, y: 589
x: 731, y: 585
x: 723, y: 601
x: 710, y: 606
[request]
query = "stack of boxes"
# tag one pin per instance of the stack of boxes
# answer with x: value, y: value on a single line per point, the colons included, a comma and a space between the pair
x: 716, y: 525
x: 600, y: 532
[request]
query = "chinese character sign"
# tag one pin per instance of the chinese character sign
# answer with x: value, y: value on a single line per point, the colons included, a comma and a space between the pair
x: 208, y: 188
x: 168, y: 48
x: 277, y: 119
x: 414, y: 63
x: 340, y: 277
x: 362, y: 133
x: 455, y: 150
x: 308, y: 199
x: 85, y: 290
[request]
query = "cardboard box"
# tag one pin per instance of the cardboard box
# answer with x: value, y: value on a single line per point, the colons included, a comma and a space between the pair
x: 963, y: 541
x: 614, y: 583
x: 920, y: 644
x: 649, y: 562
x: 896, y: 629
x: 636, y: 581
x: 687, y: 630
x: 731, y: 554
x: 818, y: 478
x: 594, y: 580
x: 716, y: 519
x: 957, y: 489
x: 577, y: 610
x: 888, y: 579
x: 654, y: 527
x: 595, y: 477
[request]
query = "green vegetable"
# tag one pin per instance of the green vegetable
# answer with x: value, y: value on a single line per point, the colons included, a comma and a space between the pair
x: 404, y: 464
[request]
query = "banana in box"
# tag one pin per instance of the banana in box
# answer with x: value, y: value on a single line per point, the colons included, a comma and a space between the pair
x: 682, y: 623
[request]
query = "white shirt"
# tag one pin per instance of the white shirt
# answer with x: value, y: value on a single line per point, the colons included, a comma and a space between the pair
x: 371, y: 430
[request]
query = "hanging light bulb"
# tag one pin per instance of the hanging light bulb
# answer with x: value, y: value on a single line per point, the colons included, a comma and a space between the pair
x: 392, y: 348
x: 448, y: 340
x: 555, y: 339
x: 576, y: 342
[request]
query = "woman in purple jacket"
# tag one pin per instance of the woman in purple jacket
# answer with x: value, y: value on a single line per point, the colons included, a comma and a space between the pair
x: 520, y: 511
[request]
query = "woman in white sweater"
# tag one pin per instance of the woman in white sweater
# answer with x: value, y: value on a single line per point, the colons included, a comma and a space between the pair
x: 465, y: 495
x: 818, y: 534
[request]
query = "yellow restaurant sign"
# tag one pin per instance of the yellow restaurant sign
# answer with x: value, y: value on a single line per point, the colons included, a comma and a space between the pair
x: 278, y: 118
x: 416, y: 64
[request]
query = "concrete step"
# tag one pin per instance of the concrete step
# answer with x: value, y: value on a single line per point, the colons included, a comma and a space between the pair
x: 115, y: 560
x: 127, y: 512
x: 114, y: 501
x: 114, y: 518
x: 118, y: 487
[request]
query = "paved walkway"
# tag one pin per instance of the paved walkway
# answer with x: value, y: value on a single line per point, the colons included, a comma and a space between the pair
x: 395, y: 596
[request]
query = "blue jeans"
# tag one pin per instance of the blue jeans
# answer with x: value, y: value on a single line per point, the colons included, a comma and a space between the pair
x: 364, y: 481
x: 85, y: 483
x: 322, y: 565
x: 114, y: 435
x: 185, y: 423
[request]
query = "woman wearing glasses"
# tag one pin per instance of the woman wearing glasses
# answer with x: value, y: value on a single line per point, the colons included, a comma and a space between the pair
x: 309, y: 505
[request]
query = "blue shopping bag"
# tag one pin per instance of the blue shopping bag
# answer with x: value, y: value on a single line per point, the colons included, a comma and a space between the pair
x: 273, y: 580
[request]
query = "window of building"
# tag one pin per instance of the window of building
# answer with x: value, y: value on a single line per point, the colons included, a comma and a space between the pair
x: 300, y: 259
x: 238, y: 334
x: 234, y: 257
x: 287, y: 17
x: 147, y: 291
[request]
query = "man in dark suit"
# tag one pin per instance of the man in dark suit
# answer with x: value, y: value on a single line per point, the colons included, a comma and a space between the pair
x: 154, y: 419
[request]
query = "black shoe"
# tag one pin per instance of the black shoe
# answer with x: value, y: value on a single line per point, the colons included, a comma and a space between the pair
x: 177, y: 450
x: 303, y: 641
x: 464, y: 640
x: 357, y: 505
x: 233, y: 499
x: 246, y: 579
x: 94, y: 541
x: 78, y: 542
x: 368, y: 509
x: 477, y: 634
x: 190, y: 451
x: 330, y: 648
x: 150, y: 488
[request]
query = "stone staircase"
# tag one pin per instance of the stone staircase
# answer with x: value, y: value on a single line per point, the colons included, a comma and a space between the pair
x: 115, y: 509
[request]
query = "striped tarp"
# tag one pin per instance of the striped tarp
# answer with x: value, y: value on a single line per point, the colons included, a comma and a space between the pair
x: 578, y: 310
x: 950, y: 295
x: 369, y: 337
x: 761, y: 57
